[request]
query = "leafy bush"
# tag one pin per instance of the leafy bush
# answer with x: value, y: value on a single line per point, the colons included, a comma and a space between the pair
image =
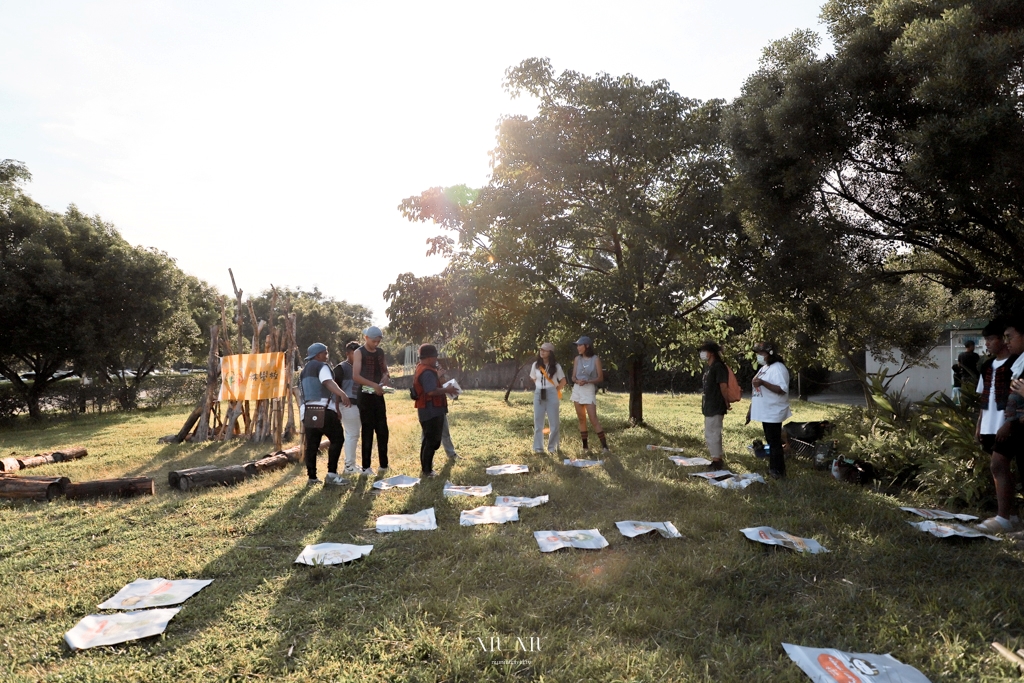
x: 928, y: 446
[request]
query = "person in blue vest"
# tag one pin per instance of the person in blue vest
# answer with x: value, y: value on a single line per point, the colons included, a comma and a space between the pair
x: 431, y: 406
x: 319, y: 389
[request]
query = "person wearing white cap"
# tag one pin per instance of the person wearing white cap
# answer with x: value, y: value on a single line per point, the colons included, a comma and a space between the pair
x: 587, y: 373
x: 548, y: 379
x: 370, y: 369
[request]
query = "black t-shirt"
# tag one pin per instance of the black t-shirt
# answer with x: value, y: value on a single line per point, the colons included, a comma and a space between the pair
x: 713, y: 403
x: 968, y: 362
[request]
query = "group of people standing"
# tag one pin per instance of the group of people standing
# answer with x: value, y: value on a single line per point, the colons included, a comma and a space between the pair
x: 1000, y: 426
x: 549, y: 380
x: 769, y: 402
x: 348, y: 399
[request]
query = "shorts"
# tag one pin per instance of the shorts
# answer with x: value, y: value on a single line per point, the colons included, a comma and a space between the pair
x: 584, y: 395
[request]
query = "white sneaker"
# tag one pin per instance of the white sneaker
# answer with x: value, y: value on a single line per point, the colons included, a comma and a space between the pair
x: 334, y: 479
x: 352, y: 469
x: 606, y: 450
x: 368, y: 472
x: 995, y: 525
x: 382, y: 470
x: 312, y: 482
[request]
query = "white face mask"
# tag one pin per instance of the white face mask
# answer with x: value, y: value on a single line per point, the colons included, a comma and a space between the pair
x: 761, y: 360
x: 703, y: 355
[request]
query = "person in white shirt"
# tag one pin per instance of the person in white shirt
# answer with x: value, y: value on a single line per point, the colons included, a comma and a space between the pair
x: 548, y: 379
x: 319, y: 389
x: 769, y: 404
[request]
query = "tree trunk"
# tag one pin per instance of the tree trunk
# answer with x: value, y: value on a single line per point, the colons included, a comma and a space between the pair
x: 212, y: 369
x: 636, y: 392
x: 34, y: 488
x: 515, y: 375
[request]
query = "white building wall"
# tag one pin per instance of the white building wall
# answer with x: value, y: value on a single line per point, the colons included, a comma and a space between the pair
x: 920, y: 381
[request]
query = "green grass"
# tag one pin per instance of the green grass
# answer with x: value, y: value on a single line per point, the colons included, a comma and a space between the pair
x: 709, y: 607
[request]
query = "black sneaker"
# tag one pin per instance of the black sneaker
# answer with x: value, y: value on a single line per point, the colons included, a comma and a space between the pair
x: 716, y: 465
x: 775, y: 474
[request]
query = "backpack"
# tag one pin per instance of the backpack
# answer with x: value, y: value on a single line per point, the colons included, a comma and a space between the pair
x: 733, y: 392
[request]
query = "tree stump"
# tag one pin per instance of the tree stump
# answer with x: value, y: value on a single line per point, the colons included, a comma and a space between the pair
x: 123, y: 488
x: 33, y: 488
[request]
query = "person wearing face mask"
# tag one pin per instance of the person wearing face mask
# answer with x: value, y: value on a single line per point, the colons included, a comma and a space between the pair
x: 769, y: 403
x: 714, y: 403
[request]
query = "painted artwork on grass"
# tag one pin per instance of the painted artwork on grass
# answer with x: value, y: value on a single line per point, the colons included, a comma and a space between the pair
x: 825, y: 665
x: 110, y: 629
x: 489, y: 514
x: 587, y: 539
x: 332, y: 553
x: 142, y: 593
x: 633, y: 529
x: 451, y: 490
x: 770, y: 536
x: 423, y: 520
x: 520, y: 501
x: 508, y: 469
x: 399, y: 481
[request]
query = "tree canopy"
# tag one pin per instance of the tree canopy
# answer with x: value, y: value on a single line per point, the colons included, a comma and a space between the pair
x: 603, y: 214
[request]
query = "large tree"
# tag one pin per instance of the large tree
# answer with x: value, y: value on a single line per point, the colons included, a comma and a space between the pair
x: 908, y: 140
x: 604, y: 209
x: 74, y: 294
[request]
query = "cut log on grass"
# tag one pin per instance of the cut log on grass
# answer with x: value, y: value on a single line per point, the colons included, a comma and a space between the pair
x: 9, y: 465
x: 270, y: 463
x: 123, y: 488
x: 71, y: 453
x: 33, y: 488
x: 201, y: 477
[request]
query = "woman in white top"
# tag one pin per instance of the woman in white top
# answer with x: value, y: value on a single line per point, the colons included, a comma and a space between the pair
x: 548, y: 380
x: 587, y: 373
x: 769, y: 403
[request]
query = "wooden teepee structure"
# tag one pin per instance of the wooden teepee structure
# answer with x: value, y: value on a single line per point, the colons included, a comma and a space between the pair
x: 258, y: 421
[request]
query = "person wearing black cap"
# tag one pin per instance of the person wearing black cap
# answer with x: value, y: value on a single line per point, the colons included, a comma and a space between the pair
x: 714, y: 402
x: 431, y: 406
x: 318, y: 387
x: 587, y: 373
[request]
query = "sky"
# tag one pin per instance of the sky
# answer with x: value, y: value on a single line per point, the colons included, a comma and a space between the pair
x: 278, y: 139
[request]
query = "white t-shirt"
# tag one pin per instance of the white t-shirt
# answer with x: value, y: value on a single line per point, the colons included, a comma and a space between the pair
x: 991, y: 417
x: 540, y: 382
x: 332, y: 402
x: 765, y: 405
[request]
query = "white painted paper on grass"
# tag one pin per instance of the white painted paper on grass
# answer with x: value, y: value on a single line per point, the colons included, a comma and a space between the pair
x: 688, y: 462
x: 451, y: 490
x: 507, y: 469
x: 423, y: 520
x: 770, y: 536
x: 582, y: 463
x: 142, y: 593
x: 633, y: 529
x: 835, y: 666
x: 399, y: 481
x: 588, y: 539
x: 489, y: 514
x: 738, y: 481
x: 671, y: 449
x: 332, y: 553
x: 453, y: 383
x: 948, y: 529
x: 717, y: 474
x: 111, y: 629
x: 519, y: 501
x: 940, y: 514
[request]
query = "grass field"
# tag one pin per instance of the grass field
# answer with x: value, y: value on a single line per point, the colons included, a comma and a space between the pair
x: 711, y: 606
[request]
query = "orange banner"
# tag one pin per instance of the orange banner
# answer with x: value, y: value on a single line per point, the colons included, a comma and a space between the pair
x: 252, y: 377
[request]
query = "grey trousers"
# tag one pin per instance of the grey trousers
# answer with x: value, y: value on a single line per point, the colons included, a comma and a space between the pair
x: 713, y: 435
x: 547, y: 407
x: 446, y: 439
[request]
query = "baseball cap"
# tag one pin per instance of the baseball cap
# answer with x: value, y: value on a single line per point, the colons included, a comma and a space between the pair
x: 315, y: 349
x: 373, y: 332
x: 584, y: 340
x: 547, y: 346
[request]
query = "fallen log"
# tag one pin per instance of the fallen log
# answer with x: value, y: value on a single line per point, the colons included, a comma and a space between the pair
x: 173, y: 477
x: 33, y: 488
x: 201, y: 477
x: 37, y: 460
x: 123, y: 488
x: 71, y: 453
x: 9, y: 465
x: 270, y: 463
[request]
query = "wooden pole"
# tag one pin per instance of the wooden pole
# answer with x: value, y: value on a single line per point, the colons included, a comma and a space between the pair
x: 212, y: 370
x: 123, y: 488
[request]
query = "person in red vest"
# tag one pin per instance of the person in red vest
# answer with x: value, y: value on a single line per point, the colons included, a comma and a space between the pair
x: 431, y: 406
